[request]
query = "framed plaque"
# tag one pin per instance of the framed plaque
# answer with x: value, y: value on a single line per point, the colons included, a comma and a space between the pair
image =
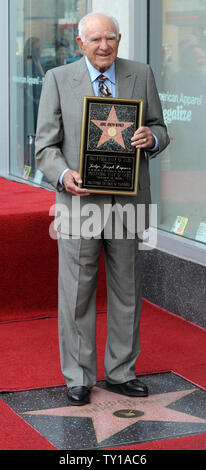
x: 108, y: 162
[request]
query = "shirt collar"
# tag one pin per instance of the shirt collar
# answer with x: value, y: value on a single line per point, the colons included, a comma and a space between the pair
x: 94, y: 73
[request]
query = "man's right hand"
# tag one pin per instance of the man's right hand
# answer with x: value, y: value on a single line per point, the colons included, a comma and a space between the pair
x: 70, y: 180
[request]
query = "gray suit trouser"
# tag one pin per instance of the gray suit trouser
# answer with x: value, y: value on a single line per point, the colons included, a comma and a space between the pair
x: 78, y: 268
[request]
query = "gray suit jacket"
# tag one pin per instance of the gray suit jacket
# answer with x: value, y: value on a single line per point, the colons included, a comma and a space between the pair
x: 59, y: 126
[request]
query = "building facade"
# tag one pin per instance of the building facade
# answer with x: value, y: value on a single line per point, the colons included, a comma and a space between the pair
x: 171, y: 36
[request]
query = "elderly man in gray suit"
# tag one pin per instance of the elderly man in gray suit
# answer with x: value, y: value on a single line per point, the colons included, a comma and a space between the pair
x: 57, y: 156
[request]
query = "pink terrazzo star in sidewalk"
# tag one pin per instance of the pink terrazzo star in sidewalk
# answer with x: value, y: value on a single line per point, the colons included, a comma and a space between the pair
x: 112, y: 412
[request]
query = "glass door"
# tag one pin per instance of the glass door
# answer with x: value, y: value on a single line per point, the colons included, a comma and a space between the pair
x: 42, y: 36
x: 178, y: 58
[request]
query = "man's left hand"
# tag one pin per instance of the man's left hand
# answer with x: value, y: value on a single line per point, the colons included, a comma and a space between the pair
x: 143, y: 138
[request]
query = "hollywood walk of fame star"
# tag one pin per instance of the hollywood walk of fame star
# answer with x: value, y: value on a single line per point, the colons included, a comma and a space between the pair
x: 112, y: 128
x: 112, y: 412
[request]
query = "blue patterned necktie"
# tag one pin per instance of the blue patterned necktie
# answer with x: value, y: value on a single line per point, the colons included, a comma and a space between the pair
x: 103, y: 89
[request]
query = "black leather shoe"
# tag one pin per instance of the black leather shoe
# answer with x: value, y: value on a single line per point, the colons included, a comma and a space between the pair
x: 132, y: 388
x: 78, y: 395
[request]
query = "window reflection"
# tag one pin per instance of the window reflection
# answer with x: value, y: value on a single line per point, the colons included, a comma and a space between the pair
x: 179, y: 62
x: 42, y: 36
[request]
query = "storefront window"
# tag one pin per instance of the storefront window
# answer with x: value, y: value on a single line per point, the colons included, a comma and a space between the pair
x: 178, y: 58
x: 42, y: 36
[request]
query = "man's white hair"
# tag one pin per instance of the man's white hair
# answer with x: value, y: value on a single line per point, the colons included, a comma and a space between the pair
x: 83, y: 21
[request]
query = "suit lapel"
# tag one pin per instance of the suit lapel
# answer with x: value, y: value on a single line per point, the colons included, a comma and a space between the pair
x: 81, y: 81
x: 125, y: 80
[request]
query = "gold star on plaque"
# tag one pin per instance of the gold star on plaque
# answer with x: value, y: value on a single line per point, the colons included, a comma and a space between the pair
x: 112, y: 128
